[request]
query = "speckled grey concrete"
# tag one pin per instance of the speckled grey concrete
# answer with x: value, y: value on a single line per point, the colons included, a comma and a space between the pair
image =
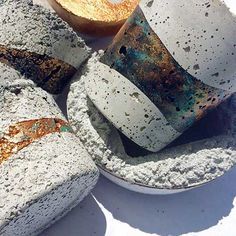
x: 33, y: 27
x: 44, y: 180
x: 127, y: 107
x: 182, y: 166
x: 200, y: 35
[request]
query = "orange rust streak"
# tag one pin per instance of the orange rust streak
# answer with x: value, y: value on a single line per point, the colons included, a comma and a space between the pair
x: 50, y: 73
x: 24, y: 133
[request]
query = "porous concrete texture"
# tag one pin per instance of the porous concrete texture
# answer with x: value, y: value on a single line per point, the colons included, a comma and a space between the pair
x: 43, y: 3
x: 45, y: 179
x: 22, y: 100
x: 32, y: 26
x: 183, y: 166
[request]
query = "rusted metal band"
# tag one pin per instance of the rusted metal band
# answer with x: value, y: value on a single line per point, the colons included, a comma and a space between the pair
x: 22, y: 134
x: 138, y: 54
x: 49, y: 73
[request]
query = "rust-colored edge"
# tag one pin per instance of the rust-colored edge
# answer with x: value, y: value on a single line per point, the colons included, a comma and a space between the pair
x: 22, y: 134
x: 49, y: 73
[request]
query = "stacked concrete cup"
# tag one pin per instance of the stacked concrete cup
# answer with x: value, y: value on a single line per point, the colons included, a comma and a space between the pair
x: 44, y: 170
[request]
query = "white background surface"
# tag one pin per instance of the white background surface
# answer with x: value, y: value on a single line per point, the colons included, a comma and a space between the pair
x: 113, y: 211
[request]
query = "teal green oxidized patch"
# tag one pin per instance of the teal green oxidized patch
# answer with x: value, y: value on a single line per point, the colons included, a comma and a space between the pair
x: 139, y: 55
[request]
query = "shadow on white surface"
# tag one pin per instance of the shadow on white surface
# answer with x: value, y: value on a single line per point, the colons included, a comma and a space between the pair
x: 85, y: 219
x: 192, y: 211
x: 110, y: 208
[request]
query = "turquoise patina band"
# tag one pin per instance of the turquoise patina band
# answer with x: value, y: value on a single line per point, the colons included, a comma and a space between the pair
x: 138, y: 54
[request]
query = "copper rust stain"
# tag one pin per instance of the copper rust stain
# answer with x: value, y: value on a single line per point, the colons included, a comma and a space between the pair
x: 139, y: 54
x: 49, y: 73
x: 22, y: 134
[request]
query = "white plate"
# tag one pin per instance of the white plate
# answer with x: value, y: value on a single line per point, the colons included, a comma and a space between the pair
x: 142, y: 188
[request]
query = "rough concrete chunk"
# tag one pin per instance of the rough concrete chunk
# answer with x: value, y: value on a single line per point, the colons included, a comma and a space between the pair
x: 44, y: 180
x: 39, y: 44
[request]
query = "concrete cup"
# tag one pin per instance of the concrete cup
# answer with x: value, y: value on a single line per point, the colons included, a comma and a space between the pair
x: 170, y: 64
